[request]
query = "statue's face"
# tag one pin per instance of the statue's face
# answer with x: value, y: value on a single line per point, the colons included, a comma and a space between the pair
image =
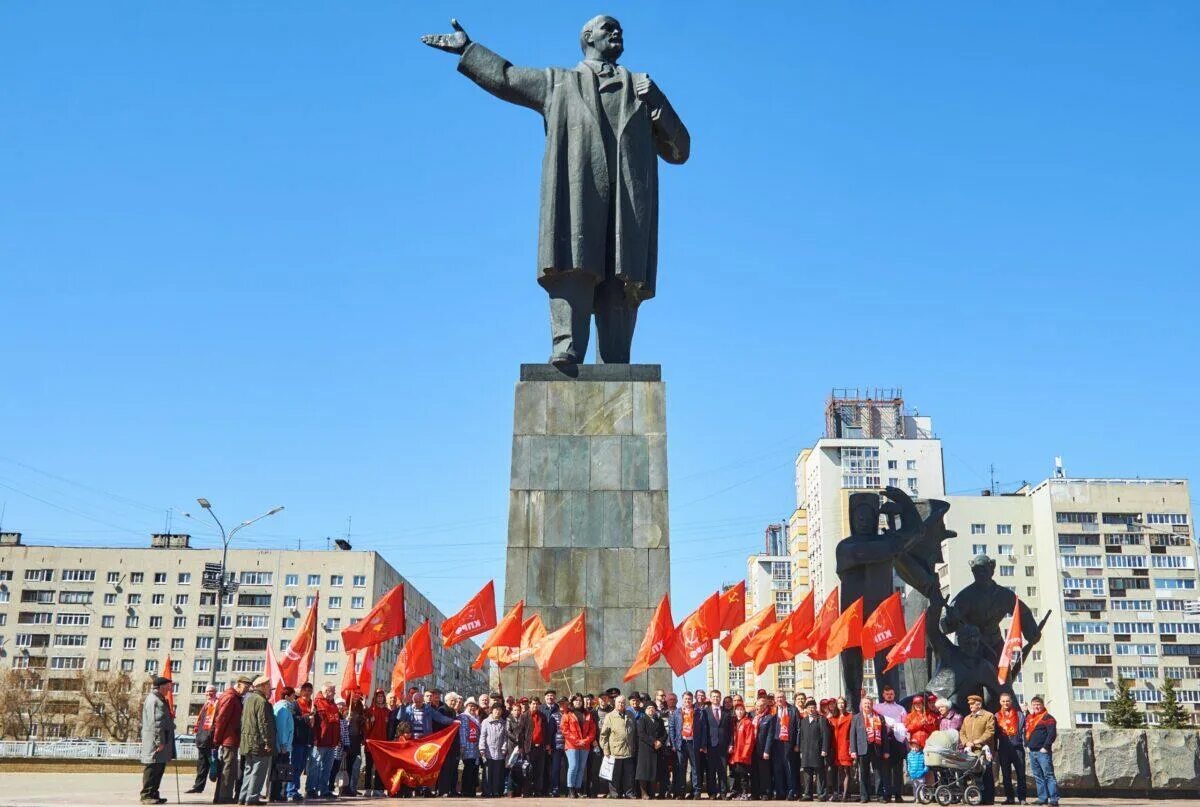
x: 607, y: 38
x: 969, y: 642
x: 864, y: 520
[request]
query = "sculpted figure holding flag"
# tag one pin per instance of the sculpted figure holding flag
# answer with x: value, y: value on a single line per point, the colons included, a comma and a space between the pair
x: 984, y: 604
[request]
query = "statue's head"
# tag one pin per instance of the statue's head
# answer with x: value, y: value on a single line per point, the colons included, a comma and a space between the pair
x: 982, y: 568
x: 864, y: 513
x: 968, y: 637
x: 602, y: 38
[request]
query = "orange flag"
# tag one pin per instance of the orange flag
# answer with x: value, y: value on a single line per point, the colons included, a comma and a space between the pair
x: 768, y: 646
x: 366, y: 674
x: 412, y: 763
x: 658, y: 634
x: 732, y: 604
x: 691, y: 641
x: 297, y: 661
x: 532, y: 632
x: 910, y: 647
x: 349, y: 676
x: 846, y: 631
x: 563, y: 648
x: 737, y: 640
x: 384, y: 621
x: 710, y: 614
x: 477, y: 616
x: 171, y: 695
x: 826, y: 616
x: 276, y: 675
x: 800, y: 627
x: 415, y: 659
x: 1011, y: 654
x: 883, y: 627
x: 507, y: 633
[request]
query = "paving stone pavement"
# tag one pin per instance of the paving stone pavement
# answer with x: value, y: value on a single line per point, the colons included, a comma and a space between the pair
x: 106, y: 789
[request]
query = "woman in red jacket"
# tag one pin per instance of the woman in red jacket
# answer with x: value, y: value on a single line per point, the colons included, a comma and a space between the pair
x: 741, y: 751
x: 579, y: 734
x: 921, y: 721
x: 839, y: 721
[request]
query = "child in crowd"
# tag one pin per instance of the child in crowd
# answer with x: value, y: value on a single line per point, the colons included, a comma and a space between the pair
x: 915, y: 763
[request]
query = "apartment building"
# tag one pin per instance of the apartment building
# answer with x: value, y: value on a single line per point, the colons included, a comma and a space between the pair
x: 66, y: 610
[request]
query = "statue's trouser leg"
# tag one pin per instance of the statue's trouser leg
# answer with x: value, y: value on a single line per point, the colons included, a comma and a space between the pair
x: 616, y: 317
x: 852, y: 676
x: 571, y: 296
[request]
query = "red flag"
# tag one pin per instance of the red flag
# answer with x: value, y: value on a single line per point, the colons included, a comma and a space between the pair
x: 366, y: 674
x: 710, y: 614
x: 910, y: 647
x: 384, y: 621
x: 477, y: 616
x: 691, y: 641
x: 768, y: 646
x: 800, y: 627
x: 883, y: 627
x: 563, y: 648
x: 415, y: 660
x: 507, y: 633
x: 349, y: 676
x: 658, y: 634
x: 732, y: 607
x: 846, y: 631
x: 826, y: 616
x: 1011, y: 654
x: 297, y: 661
x: 412, y: 763
x: 532, y: 632
x: 275, y: 674
x: 736, y: 642
x: 166, y: 673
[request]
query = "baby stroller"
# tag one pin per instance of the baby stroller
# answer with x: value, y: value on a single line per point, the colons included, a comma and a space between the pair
x: 956, y: 775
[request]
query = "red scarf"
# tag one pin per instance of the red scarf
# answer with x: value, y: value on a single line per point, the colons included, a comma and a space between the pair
x: 874, y: 727
x: 785, y: 720
x: 1031, y: 723
x: 688, y: 716
x: 472, y: 732
x: 1009, y: 720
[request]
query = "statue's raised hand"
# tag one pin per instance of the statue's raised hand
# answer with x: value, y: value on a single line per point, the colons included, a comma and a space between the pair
x: 451, y: 43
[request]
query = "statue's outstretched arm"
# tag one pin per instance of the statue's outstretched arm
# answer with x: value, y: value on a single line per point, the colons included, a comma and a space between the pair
x: 524, y: 86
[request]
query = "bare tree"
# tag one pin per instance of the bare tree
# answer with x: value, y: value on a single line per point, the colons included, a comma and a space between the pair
x: 22, y: 701
x: 110, y: 704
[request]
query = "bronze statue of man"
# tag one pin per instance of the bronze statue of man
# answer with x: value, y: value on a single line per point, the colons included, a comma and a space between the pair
x: 606, y: 127
x: 963, y: 668
x: 984, y: 604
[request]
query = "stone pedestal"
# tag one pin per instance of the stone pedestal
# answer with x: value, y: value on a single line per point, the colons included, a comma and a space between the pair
x: 587, y: 517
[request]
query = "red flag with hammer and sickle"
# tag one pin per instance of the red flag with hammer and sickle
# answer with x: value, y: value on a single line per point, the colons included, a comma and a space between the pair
x: 384, y: 621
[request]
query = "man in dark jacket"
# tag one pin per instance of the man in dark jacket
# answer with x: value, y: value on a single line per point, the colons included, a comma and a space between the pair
x: 686, y: 733
x: 719, y: 730
x: 227, y: 736
x: 258, y: 741
x: 870, y: 739
x: 813, y: 741
x: 1040, y: 733
x: 1010, y: 748
x: 787, y: 721
x: 158, y: 739
x: 764, y: 742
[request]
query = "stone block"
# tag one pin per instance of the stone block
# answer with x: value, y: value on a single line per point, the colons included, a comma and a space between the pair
x: 605, y: 461
x: 519, y: 478
x: 545, y: 453
x: 1120, y: 759
x: 516, y: 565
x: 650, y: 519
x: 1073, y: 760
x: 1174, y: 759
x: 560, y: 408
x: 591, y: 372
x: 518, y: 518
x: 609, y: 521
x: 529, y: 414
x: 604, y: 407
x: 595, y: 592
x: 635, y: 463
x: 536, y: 518
x: 574, y: 464
x: 633, y: 566
x: 659, y: 574
x: 539, y: 577
x: 568, y: 577
x: 649, y: 409
x: 656, y: 451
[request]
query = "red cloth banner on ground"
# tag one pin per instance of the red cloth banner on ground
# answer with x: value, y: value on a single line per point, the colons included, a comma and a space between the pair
x: 412, y: 763
x: 297, y: 661
x: 732, y: 604
x: 910, y: 647
x: 384, y: 621
x: 736, y: 642
x: 691, y: 641
x: 476, y: 617
x: 1011, y: 654
x: 846, y: 631
x: 658, y: 634
x: 508, y: 633
x: 883, y: 627
x: 415, y: 660
x: 565, y: 647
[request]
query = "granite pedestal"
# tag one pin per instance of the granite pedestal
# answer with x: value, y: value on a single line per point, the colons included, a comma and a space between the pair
x: 587, y: 517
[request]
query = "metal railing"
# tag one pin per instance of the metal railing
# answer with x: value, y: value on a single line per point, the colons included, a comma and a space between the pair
x: 59, y: 749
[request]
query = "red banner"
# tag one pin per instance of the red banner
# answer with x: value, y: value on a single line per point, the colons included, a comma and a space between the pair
x: 910, y: 647
x: 414, y: 661
x: 412, y: 763
x: 883, y: 627
x: 733, y: 606
x: 739, y: 638
x: 565, y: 647
x: 658, y: 635
x: 384, y: 621
x: 476, y: 617
x: 297, y: 661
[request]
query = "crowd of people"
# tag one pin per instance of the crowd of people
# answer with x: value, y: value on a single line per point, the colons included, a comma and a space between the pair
x: 311, y: 746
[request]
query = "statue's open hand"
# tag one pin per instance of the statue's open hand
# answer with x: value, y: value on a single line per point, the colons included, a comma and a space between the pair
x: 451, y: 43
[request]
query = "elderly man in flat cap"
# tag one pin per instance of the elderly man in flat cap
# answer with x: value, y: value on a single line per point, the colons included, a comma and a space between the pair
x: 258, y: 741
x: 158, y: 739
x: 978, y: 735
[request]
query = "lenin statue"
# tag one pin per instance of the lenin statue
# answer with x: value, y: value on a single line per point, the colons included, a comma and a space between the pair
x: 606, y: 127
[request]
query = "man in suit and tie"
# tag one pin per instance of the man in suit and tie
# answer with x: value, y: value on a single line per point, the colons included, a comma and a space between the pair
x: 764, y: 744
x: 719, y: 727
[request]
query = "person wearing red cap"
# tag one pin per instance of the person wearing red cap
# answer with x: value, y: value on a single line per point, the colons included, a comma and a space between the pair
x: 921, y: 721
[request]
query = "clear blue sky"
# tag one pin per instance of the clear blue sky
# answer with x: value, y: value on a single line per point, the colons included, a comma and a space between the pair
x: 282, y: 253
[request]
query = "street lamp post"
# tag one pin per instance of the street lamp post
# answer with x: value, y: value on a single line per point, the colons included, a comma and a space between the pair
x: 225, y: 586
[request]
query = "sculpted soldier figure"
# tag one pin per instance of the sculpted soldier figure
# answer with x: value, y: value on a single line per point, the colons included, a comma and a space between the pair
x: 961, y: 669
x: 606, y: 127
x: 984, y: 604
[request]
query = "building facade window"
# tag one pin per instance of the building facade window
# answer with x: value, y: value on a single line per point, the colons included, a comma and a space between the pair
x: 978, y: 529
x: 360, y: 581
x: 1004, y: 529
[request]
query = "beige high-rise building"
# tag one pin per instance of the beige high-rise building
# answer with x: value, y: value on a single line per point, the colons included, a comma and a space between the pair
x: 70, y: 612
